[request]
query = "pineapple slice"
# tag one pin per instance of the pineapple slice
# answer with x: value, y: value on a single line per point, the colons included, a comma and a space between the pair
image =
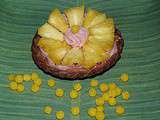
x: 89, y: 17
x: 57, y: 20
x: 93, y: 54
x: 47, y: 31
x: 75, y: 15
x: 74, y: 56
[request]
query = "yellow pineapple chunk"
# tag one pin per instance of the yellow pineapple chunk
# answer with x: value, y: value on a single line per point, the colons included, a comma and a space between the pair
x: 57, y: 20
x: 48, y: 31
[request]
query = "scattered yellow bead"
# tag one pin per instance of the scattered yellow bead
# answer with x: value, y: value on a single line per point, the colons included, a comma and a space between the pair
x: 75, y: 28
x: 120, y: 110
x: 100, y: 116
x: 38, y: 81
x: 92, y: 112
x: 34, y: 76
x: 75, y: 110
x: 92, y: 92
x: 112, y: 93
x: 105, y: 97
x: 20, y: 88
x: 26, y: 77
x: 94, y: 83
x: 124, y: 77
x: 77, y: 86
x: 11, y: 77
x: 19, y: 78
x: 125, y: 95
x: 59, y: 92
x: 112, y: 86
x: 13, y: 85
x: 59, y: 115
x: 118, y: 91
x: 100, y: 108
x: 48, y: 109
x: 73, y: 94
x: 51, y: 83
x: 103, y: 87
x: 35, y: 88
x: 112, y: 101
x: 100, y: 101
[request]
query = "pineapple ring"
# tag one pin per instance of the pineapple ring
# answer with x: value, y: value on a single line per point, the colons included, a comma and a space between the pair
x: 89, y: 46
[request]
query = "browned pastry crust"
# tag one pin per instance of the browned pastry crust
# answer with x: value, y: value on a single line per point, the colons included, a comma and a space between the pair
x: 75, y: 72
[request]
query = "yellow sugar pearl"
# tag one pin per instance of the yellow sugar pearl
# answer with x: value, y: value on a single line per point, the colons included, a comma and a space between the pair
x: 38, y: 81
x: 125, y: 95
x: 48, y: 109
x: 103, y: 87
x: 112, y: 93
x: 77, y: 86
x: 100, y: 108
x: 13, y: 85
x: 19, y: 78
x: 105, y: 97
x: 94, y: 83
x: 35, y: 88
x: 20, y: 88
x: 92, y: 92
x: 112, y: 86
x: 73, y: 94
x: 92, y: 112
x: 118, y: 91
x: 34, y: 76
x: 112, y: 101
x: 75, y: 28
x: 75, y: 110
x: 51, y: 83
x: 100, y: 101
x: 100, y: 116
x: 120, y: 110
x: 59, y: 92
x: 59, y: 115
x: 26, y: 77
x: 11, y: 77
x: 124, y: 77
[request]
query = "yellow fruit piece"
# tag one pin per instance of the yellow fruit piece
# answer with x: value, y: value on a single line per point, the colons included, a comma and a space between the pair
x: 92, y: 92
x: 20, y: 88
x: 26, y: 77
x: 38, y: 82
x: 35, y: 88
x: 74, y: 94
x: 112, y: 93
x: 105, y: 97
x: 100, y: 116
x: 19, y: 78
x: 120, y: 110
x: 103, y: 87
x: 92, y: 112
x: 112, y: 86
x: 94, y: 83
x: 98, y: 19
x: 11, y: 77
x: 75, y: 29
x: 47, y: 109
x: 124, y: 77
x: 77, y: 86
x: 51, y: 83
x: 60, y: 115
x: 100, y: 101
x: 125, y: 95
x: 75, y: 110
x: 13, y: 85
x: 34, y: 76
x: 118, y: 91
x: 59, y: 92
x: 100, y: 108
x: 112, y: 101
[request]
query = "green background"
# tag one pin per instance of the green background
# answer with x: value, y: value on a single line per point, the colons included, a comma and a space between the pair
x: 138, y: 20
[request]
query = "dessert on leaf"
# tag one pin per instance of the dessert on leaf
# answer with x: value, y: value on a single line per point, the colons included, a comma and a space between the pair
x: 77, y: 43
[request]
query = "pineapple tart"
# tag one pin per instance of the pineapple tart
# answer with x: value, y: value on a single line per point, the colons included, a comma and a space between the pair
x: 77, y: 43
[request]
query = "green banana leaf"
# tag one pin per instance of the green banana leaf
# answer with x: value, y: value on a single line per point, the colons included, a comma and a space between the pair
x: 139, y: 22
